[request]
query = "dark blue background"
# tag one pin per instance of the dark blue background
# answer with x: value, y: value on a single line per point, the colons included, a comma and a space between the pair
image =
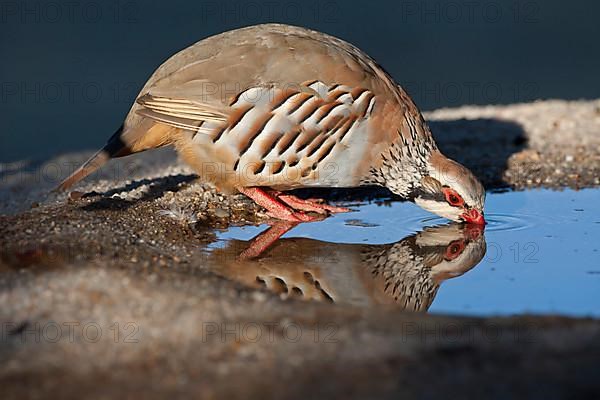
x: 69, y: 71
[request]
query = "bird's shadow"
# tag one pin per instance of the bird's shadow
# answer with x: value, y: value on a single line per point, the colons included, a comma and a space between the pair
x: 483, y: 145
x: 156, y: 187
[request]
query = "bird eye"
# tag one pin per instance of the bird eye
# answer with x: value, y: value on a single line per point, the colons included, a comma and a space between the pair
x: 453, y: 198
x: 454, y: 250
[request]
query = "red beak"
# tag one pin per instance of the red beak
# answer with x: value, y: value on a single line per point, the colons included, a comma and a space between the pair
x: 473, y: 217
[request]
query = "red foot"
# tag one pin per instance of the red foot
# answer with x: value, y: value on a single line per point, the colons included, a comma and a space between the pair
x: 265, y: 239
x: 276, y: 208
x: 310, y: 205
x: 296, y: 216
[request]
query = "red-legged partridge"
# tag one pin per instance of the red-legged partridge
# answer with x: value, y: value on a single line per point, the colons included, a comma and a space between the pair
x: 269, y: 108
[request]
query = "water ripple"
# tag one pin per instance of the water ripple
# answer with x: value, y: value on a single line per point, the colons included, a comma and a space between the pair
x: 495, y: 222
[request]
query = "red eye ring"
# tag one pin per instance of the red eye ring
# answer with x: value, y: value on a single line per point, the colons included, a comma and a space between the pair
x: 453, y: 198
x: 454, y: 250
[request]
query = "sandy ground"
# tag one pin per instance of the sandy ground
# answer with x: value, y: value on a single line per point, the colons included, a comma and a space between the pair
x: 104, y: 291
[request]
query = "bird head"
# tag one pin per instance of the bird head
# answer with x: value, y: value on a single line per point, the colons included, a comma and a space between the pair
x: 451, y: 191
x: 408, y: 273
x: 451, y: 250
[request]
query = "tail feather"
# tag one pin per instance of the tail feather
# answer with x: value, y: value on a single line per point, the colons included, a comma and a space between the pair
x: 91, y: 165
x: 113, y: 148
x: 147, y: 135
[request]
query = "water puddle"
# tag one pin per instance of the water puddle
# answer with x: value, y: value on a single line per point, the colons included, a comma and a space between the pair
x: 539, y: 254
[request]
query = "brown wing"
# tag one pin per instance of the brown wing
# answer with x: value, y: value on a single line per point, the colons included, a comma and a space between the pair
x: 273, y: 137
x: 216, y: 69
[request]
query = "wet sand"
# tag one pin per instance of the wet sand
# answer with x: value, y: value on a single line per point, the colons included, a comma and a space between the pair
x: 106, y: 286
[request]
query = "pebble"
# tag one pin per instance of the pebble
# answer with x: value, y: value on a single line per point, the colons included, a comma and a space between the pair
x: 221, y: 213
x: 75, y: 195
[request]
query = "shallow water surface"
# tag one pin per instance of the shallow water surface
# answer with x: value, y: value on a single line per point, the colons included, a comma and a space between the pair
x: 538, y: 254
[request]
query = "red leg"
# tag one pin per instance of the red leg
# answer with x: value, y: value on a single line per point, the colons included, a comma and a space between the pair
x: 276, y: 208
x: 266, y: 239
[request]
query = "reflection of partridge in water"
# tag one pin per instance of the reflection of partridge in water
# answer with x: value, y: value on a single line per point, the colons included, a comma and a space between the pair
x: 407, y: 273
